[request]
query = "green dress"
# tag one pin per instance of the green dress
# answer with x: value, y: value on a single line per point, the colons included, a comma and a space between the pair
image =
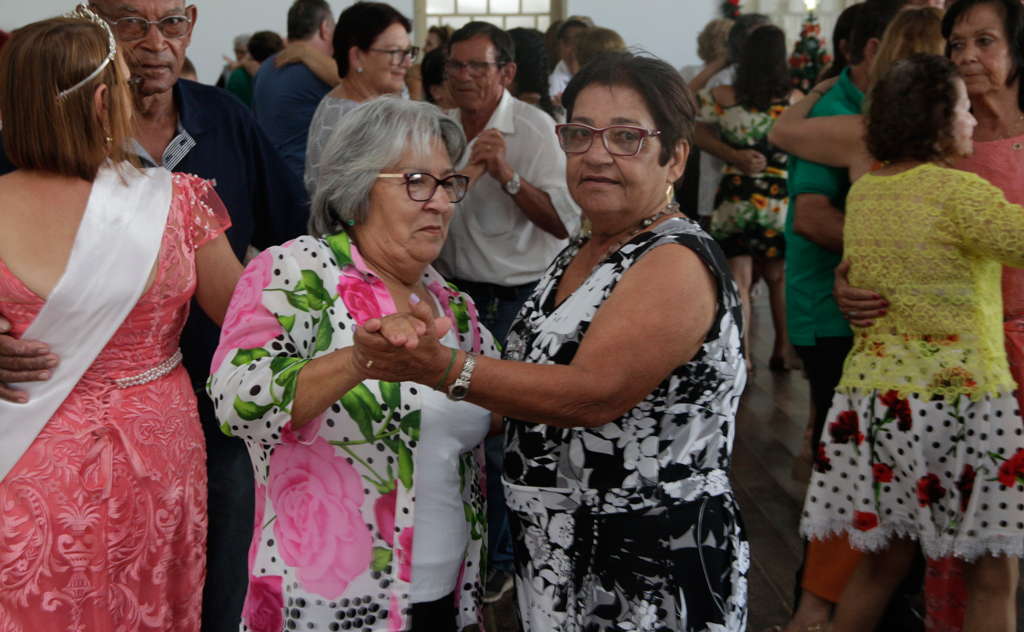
x: 240, y: 85
x: 750, y: 211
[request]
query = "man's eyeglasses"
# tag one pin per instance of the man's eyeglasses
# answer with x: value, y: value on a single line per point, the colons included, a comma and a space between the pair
x: 399, y: 55
x: 619, y: 140
x: 422, y: 186
x: 134, y: 29
x: 476, y: 68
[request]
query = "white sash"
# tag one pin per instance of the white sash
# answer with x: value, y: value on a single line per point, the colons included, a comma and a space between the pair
x: 115, y: 249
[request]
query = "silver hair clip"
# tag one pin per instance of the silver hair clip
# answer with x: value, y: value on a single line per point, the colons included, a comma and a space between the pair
x: 84, y: 13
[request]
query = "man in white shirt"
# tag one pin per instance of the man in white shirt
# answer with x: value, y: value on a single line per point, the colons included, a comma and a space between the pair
x: 512, y: 223
x: 517, y: 217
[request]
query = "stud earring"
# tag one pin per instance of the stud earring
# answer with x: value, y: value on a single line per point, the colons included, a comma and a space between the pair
x: 360, y: 69
x: 108, y: 140
x: 351, y: 222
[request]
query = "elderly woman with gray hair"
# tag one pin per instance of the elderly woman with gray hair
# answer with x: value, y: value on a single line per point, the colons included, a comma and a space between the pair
x: 369, y: 513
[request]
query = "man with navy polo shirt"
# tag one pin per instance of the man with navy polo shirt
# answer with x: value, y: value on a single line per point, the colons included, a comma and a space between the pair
x: 285, y: 98
x: 191, y: 128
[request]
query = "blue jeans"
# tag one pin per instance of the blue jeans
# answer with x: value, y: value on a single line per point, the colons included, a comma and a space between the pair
x: 496, y: 308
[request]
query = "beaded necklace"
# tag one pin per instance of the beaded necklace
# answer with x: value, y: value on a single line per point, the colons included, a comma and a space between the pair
x: 646, y: 222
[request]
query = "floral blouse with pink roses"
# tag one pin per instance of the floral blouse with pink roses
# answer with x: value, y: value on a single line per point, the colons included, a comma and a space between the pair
x: 335, y: 500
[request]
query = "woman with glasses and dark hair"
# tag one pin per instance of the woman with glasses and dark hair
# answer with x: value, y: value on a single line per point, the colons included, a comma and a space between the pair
x: 368, y: 499
x: 373, y: 52
x: 619, y: 384
x: 750, y: 207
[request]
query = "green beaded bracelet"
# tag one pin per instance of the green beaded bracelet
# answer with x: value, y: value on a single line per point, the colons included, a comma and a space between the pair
x: 446, y: 371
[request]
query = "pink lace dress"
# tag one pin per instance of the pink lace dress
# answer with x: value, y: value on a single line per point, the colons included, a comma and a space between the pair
x: 1001, y: 162
x: 103, y: 520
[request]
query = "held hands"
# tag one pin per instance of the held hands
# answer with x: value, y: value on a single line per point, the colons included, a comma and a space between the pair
x: 858, y: 306
x: 22, y: 361
x: 489, y: 149
x: 402, y: 347
x: 750, y: 161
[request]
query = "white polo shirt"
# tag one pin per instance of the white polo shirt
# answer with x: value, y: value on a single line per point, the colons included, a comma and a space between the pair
x: 490, y: 239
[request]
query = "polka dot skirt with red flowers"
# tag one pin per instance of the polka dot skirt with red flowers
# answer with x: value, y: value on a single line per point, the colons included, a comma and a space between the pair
x: 949, y: 473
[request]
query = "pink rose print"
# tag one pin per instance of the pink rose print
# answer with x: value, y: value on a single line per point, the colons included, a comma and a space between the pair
x: 257, y: 531
x: 384, y: 514
x: 304, y: 434
x: 395, y: 623
x: 263, y: 609
x: 248, y: 324
x: 359, y: 298
x: 404, y: 554
x: 319, y: 529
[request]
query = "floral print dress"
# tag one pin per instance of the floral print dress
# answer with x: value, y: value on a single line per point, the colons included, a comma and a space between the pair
x: 631, y: 525
x: 750, y: 211
x: 335, y: 501
x: 925, y: 438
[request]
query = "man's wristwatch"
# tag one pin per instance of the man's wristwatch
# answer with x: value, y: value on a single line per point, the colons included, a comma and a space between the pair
x: 458, y: 390
x: 512, y: 186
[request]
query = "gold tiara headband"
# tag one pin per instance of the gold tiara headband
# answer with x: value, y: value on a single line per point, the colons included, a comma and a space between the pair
x: 83, y: 12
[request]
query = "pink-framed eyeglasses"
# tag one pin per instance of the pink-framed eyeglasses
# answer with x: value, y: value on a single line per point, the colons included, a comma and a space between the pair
x: 619, y: 140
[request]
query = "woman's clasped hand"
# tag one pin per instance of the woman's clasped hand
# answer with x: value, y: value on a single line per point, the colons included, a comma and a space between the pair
x: 404, y: 346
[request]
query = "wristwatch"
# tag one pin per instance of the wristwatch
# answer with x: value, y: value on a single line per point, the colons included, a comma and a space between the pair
x: 458, y: 391
x: 512, y: 186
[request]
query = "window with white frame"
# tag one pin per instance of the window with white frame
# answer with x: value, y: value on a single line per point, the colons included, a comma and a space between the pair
x: 505, y: 14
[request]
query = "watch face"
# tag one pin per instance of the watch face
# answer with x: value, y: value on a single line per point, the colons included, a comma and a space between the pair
x: 512, y: 187
x: 458, y: 391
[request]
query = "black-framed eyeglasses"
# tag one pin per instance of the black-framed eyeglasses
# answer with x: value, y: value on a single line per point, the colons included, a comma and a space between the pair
x: 422, y: 186
x: 476, y: 68
x: 399, y: 55
x: 133, y: 29
x: 619, y: 140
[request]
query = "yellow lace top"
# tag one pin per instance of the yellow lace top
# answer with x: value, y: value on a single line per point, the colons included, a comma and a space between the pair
x: 931, y: 241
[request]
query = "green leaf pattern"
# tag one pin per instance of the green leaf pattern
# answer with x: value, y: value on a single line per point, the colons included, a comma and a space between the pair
x: 376, y: 425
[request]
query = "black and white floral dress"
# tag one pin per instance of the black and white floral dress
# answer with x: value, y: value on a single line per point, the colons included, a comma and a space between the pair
x: 631, y: 525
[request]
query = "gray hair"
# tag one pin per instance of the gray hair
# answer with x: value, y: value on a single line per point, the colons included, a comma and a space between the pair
x: 242, y: 41
x: 367, y: 141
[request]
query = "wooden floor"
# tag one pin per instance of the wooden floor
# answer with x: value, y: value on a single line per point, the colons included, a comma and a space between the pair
x: 769, y: 431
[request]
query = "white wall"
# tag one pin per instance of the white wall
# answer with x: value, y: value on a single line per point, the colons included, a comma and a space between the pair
x: 218, y: 24
x: 666, y: 28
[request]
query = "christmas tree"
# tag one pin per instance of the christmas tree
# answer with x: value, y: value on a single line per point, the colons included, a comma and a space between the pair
x: 809, y: 57
x: 731, y: 9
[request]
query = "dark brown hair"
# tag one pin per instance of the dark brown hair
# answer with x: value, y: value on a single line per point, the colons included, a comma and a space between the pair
x: 762, y: 74
x: 361, y: 24
x: 62, y: 135
x: 1012, y: 14
x: 668, y: 98
x: 910, y: 114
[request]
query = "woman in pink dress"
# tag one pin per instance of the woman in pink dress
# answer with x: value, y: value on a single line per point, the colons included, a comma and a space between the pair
x: 103, y: 492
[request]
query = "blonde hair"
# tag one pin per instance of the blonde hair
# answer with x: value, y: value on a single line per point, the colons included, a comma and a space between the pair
x: 594, y: 41
x: 711, y: 43
x: 63, y: 135
x: 916, y: 30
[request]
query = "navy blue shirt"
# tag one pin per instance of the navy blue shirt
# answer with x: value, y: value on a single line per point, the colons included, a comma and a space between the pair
x: 268, y: 204
x: 284, y: 100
